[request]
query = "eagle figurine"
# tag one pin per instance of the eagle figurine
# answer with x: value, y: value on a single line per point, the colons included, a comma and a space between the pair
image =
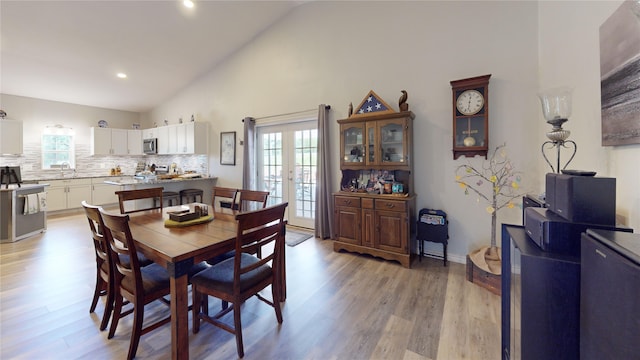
x: 403, y: 101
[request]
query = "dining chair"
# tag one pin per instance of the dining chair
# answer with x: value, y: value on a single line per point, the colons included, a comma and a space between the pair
x: 139, y: 285
x: 249, y: 197
x: 228, y: 195
x: 104, y: 284
x: 237, y: 279
x: 104, y: 281
x: 154, y: 194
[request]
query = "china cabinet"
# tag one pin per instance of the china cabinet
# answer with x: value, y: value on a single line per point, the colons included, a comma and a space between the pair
x: 375, y: 204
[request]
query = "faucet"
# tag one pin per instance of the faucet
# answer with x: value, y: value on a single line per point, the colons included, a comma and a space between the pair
x: 64, y: 165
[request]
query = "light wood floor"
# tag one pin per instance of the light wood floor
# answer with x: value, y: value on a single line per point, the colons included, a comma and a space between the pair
x: 339, y: 306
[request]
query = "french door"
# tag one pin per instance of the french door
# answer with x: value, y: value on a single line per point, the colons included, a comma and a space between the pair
x: 287, y: 168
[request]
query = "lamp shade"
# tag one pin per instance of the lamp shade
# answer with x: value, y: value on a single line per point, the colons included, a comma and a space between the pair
x: 556, y: 103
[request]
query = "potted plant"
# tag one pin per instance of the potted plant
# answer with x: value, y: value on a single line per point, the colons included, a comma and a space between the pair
x: 497, y: 183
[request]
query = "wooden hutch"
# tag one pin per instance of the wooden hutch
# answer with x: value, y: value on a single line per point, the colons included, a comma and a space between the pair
x: 375, y: 207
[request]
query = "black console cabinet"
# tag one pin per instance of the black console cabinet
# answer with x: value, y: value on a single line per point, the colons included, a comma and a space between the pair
x: 540, y: 300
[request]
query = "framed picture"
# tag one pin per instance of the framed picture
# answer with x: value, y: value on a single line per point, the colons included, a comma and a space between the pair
x: 228, y: 148
x: 619, y: 85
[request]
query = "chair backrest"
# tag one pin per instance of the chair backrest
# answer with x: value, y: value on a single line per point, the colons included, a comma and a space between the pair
x: 253, y: 196
x: 228, y: 194
x: 99, y: 241
x: 263, y: 228
x: 118, y: 234
x: 139, y: 194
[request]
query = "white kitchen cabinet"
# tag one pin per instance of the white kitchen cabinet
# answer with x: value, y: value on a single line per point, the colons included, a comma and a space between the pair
x: 106, y: 141
x: 163, y: 140
x: 67, y: 194
x: 150, y: 133
x: 196, y: 138
x: 103, y: 194
x: 119, y: 143
x: 100, y: 141
x: 134, y: 142
x: 10, y: 137
x: 190, y: 138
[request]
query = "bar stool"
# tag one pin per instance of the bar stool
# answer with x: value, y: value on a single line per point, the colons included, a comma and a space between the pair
x: 190, y: 193
x: 172, y: 197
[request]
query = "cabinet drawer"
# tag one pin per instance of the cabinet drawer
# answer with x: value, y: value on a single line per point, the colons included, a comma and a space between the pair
x: 367, y: 203
x: 390, y: 205
x: 347, y: 201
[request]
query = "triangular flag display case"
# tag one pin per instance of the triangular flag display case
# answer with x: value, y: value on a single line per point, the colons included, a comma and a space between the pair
x: 376, y: 204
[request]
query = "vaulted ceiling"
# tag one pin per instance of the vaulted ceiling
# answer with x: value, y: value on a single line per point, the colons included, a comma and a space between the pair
x: 71, y: 51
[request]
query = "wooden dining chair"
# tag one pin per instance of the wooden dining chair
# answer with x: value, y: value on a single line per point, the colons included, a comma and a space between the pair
x: 237, y: 279
x: 220, y: 194
x: 139, y: 285
x: 104, y: 266
x: 249, y: 197
x: 153, y: 194
x: 104, y: 284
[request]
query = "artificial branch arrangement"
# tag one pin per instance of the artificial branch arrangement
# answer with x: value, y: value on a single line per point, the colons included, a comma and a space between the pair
x: 498, y: 184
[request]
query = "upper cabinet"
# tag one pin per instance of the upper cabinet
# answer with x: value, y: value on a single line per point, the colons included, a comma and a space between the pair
x: 10, y: 137
x: 188, y: 138
x: 377, y: 141
x: 134, y: 142
x: 106, y: 141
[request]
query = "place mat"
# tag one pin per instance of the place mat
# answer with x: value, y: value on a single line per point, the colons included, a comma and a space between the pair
x: 293, y: 238
x: 200, y: 220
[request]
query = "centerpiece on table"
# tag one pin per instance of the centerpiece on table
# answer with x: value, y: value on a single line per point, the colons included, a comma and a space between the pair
x: 497, y: 183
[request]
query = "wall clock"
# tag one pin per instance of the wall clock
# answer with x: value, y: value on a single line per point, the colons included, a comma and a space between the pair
x: 470, y: 116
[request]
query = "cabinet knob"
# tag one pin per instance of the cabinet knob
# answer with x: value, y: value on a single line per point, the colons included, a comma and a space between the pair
x: 389, y: 205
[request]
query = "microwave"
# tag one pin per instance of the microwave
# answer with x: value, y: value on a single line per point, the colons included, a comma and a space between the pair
x: 150, y: 146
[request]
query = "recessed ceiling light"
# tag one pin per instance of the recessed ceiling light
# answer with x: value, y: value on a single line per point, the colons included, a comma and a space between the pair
x: 122, y: 75
x: 188, y: 3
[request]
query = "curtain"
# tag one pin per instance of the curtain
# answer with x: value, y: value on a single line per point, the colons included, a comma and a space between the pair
x: 249, y: 156
x: 324, y: 200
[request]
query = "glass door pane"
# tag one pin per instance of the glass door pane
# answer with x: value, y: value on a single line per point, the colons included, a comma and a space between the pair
x: 288, y: 167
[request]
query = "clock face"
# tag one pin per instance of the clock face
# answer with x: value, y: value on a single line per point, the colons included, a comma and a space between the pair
x: 470, y: 102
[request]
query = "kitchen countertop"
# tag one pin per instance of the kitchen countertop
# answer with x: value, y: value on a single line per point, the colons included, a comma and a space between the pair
x: 132, y: 181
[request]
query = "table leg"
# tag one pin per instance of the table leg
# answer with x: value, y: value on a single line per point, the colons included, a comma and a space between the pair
x: 179, y: 317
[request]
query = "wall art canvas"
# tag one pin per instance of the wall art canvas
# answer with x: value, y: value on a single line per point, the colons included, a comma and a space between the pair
x: 620, y: 75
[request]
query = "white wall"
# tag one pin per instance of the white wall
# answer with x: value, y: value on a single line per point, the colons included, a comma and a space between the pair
x: 570, y: 55
x: 335, y: 52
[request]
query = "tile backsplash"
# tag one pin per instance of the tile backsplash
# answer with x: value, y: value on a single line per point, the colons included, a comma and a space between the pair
x: 100, y: 165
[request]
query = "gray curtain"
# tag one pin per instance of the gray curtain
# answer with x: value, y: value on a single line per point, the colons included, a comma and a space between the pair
x: 324, y: 180
x: 249, y: 156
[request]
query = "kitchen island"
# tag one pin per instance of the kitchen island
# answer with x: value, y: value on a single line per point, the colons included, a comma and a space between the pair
x: 176, y: 184
x: 15, y: 223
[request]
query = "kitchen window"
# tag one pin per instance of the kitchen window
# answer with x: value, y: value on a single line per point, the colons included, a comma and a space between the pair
x: 58, y: 148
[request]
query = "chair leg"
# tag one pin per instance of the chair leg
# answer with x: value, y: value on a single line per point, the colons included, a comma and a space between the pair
x: 276, y: 302
x: 117, y: 310
x: 96, y: 292
x: 108, y: 309
x: 238, y: 328
x: 136, y: 332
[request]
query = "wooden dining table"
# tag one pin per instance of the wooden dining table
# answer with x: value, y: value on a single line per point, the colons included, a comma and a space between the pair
x: 177, y: 249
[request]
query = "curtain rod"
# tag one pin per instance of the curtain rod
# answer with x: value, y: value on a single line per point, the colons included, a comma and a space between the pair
x: 285, y: 114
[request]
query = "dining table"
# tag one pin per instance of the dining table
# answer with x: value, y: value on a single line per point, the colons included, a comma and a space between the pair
x: 178, y: 248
